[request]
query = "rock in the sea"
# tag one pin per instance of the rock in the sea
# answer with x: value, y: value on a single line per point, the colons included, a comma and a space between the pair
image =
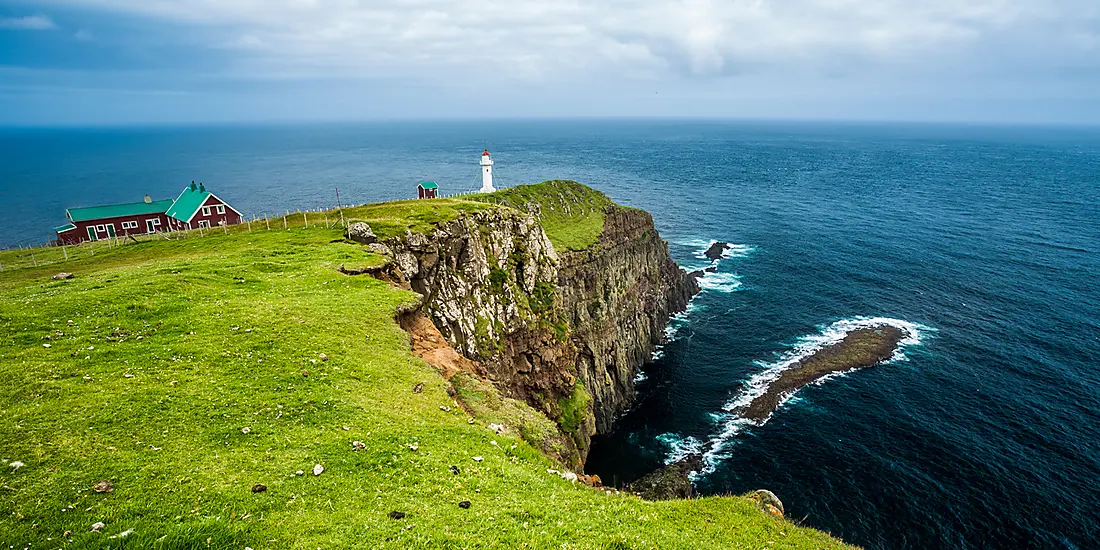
x: 361, y: 233
x: 671, y: 482
x: 717, y: 251
x: 769, y: 503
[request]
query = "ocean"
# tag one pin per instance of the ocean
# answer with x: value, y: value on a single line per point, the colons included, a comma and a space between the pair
x: 982, y: 242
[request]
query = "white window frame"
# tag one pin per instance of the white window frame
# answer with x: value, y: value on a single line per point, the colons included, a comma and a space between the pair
x: 221, y: 209
x: 129, y: 225
x: 204, y: 223
x: 206, y: 211
x: 101, y: 228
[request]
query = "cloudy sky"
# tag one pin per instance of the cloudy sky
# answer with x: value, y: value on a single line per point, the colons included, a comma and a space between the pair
x: 160, y: 61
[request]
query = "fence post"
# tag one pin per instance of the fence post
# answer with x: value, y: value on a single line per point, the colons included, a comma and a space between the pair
x: 284, y: 221
x: 305, y: 220
x: 326, y: 220
x: 249, y: 226
x: 266, y: 222
x: 34, y: 260
x: 200, y: 231
x: 65, y: 252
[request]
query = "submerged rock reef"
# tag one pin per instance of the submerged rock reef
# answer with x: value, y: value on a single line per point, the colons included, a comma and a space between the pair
x: 860, y: 348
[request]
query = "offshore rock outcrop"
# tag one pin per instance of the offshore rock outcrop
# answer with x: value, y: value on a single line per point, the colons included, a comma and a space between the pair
x: 564, y: 332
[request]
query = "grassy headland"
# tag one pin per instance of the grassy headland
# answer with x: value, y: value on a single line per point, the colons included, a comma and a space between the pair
x: 571, y: 214
x: 188, y: 372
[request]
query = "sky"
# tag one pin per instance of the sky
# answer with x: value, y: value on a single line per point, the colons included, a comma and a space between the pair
x: 106, y: 62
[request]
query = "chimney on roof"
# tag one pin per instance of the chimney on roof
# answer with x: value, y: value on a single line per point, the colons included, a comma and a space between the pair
x: 192, y: 185
x: 202, y: 187
x: 148, y: 199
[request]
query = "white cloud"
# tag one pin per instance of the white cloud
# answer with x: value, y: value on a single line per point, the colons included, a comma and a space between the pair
x: 538, y: 40
x: 28, y: 23
x: 84, y: 35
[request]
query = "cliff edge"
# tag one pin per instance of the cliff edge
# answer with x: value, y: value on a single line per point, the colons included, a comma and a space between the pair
x: 559, y: 294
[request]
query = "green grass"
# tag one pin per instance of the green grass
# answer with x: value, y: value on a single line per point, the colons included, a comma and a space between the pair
x: 574, y: 409
x: 162, y: 352
x: 571, y: 214
x: 391, y: 219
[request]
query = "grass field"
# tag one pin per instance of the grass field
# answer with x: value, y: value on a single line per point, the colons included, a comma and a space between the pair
x: 185, y: 372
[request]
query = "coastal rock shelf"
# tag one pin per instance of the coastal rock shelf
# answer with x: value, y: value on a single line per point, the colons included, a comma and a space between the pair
x: 860, y: 348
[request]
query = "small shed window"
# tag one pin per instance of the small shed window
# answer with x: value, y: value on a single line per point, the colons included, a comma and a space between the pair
x: 206, y: 211
x: 221, y: 209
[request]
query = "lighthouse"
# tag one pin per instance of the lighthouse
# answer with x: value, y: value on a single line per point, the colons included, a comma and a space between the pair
x: 487, y: 172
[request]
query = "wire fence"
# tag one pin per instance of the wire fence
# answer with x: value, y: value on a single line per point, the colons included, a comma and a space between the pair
x: 56, y: 253
x: 53, y: 252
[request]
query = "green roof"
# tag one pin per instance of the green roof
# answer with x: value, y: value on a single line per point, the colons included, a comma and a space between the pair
x: 429, y: 185
x: 117, y: 210
x: 63, y: 228
x: 188, y: 203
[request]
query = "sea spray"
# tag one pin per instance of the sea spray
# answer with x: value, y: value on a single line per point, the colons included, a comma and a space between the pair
x: 679, y: 447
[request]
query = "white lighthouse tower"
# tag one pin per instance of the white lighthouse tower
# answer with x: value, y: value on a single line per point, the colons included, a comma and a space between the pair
x: 487, y: 172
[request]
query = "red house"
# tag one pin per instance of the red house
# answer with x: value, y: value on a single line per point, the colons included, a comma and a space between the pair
x: 427, y: 190
x: 195, y: 207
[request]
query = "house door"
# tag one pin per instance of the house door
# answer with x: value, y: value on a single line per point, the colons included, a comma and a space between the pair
x: 149, y: 226
x: 111, y: 230
x: 92, y: 234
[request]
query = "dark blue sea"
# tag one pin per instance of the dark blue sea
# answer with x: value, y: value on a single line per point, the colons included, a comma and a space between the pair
x: 982, y: 242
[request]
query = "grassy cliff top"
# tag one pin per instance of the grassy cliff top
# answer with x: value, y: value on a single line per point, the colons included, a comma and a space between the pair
x: 187, y: 372
x: 572, y: 214
x: 391, y: 219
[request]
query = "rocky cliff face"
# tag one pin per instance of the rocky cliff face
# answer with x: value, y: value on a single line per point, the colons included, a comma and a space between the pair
x: 618, y: 296
x: 564, y: 332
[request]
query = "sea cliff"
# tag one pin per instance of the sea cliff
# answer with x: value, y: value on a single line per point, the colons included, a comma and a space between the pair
x: 563, y: 330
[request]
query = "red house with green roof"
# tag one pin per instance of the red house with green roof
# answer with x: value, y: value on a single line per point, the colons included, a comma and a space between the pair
x: 427, y: 190
x: 195, y: 207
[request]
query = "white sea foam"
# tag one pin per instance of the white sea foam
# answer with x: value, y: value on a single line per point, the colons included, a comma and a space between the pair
x: 676, y: 322
x: 731, y: 423
x: 679, y: 447
x: 640, y: 376
x: 720, y: 282
x: 658, y: 353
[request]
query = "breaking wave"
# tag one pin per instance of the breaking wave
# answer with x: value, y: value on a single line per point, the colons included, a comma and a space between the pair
x: 679, y: 447
x: 720, y: 282
x: 730, y: 424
